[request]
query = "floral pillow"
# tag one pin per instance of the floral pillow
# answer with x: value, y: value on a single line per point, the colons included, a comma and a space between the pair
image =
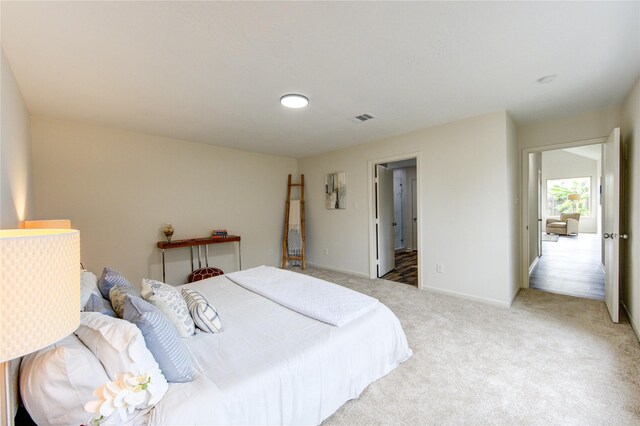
x: 117, y: 295
x: 168, y: 299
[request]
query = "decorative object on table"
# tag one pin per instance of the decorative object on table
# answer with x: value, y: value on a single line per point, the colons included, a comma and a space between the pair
x: 168, y: 231
x: 293, y: 241
x: 41, y: 266
x: 335, y: 189
x: 219, y: 233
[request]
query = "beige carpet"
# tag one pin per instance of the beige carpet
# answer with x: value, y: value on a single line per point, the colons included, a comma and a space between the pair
x: 550, y: 359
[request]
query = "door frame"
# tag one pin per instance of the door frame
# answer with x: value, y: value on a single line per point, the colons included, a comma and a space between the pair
x: 524, y: 188
x: 372, y: 210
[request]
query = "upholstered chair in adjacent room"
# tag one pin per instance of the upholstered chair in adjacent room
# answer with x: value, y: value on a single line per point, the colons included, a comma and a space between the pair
x: 567, y: 224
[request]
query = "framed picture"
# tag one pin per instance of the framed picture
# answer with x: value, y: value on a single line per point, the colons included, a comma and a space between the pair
x: 335, y: 189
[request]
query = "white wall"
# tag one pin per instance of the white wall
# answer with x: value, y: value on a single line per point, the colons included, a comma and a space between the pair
x: 466, y: 199
x: 558, y: 164
x: 631, y: 247
x: 512, y: 210
x: 16, y: 194
x: 120, y: 188
x: 16, y: 188
x: 589, y: 125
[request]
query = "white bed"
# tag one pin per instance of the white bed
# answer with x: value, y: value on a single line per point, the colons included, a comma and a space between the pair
x: 272, y: 365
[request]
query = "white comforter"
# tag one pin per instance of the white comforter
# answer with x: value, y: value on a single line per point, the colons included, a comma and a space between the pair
x: 313, y: 297
x: 272, y: 365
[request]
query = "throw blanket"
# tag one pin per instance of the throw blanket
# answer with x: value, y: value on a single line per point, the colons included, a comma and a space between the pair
x: 294, y: 236
x: 294, y: 215
x: 313, y: 297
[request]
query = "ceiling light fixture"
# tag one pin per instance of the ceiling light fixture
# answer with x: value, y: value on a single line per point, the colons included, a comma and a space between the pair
x: 547, y: 79
x: 294, y: 100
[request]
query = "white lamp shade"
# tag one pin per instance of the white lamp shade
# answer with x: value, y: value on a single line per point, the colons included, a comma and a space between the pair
x: 39, y: 288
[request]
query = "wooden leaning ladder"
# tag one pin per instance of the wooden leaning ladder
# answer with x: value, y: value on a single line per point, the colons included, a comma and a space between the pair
x: 285, y: 246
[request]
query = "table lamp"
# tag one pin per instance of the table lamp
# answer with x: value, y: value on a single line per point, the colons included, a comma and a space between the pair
x: 46, y: 224
x: 576, y: 199
x: 39, y: 294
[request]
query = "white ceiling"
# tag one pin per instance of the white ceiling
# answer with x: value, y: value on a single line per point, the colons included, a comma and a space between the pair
x: 213, y: 72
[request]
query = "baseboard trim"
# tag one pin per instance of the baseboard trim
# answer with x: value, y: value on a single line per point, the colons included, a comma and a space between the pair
x: 344, y: 271
x: 533, y: 265
x: 514, y: 295
x: 635, y: 329
x: 486, y: 300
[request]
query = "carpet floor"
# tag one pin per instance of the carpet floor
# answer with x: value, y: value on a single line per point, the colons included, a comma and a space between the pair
x: 548, y: 360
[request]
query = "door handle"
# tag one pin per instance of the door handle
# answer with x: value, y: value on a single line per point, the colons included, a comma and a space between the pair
x: 612, y: 235
x: 624, y: 236
x: 539, y: 220
x: 395, y: 224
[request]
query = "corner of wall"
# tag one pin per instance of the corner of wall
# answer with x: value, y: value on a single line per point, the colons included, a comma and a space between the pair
x: 16, y: 188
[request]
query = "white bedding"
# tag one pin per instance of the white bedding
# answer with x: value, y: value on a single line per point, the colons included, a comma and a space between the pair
x: 272, y: 365
x: 313, y: 297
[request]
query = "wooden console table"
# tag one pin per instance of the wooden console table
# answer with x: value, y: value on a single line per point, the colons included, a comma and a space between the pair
x: 199, y: 242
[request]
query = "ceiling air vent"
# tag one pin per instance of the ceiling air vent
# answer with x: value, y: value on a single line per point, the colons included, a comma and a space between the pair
x: 361, y: 118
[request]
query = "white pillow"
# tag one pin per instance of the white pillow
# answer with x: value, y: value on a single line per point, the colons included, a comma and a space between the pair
x: 168, y: 299
x: 120, y: 347
x: 88, y: 285
x: 57, y: 381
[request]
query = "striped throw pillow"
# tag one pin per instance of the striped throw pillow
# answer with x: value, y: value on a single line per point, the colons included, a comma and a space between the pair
x: 108, y: 279
x: 204, y: 315
x: 161, y: 338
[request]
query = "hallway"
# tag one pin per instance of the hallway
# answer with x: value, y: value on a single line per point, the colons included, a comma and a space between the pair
x: 406, y: 270
x: 570, y: 266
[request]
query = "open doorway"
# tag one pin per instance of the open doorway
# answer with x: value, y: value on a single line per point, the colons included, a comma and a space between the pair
x: 565, y: 216
x: 396, y: 221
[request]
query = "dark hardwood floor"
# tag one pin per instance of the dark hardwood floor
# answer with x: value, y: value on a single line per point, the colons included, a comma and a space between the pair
x: 570, y: 266
x: 406, y: 270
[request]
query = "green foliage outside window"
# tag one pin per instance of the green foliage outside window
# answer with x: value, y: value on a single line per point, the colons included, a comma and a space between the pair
x: 559, y: 190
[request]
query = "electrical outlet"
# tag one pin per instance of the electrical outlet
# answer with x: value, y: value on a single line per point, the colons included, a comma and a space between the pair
x: 439, y: 268
x: 326, y: 252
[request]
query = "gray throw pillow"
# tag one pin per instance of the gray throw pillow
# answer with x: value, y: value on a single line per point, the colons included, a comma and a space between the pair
x: 98, y: 304
x: 161, y: 338
x: 108, y: 279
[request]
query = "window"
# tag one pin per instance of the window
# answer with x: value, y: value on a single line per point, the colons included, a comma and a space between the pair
x: 571, y: 195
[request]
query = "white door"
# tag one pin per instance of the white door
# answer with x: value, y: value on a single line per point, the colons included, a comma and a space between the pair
x: 414, y: 215
x: 540, y: 201
x: 611, y: 222
x: 397, y: 211
x: 384, y: 220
